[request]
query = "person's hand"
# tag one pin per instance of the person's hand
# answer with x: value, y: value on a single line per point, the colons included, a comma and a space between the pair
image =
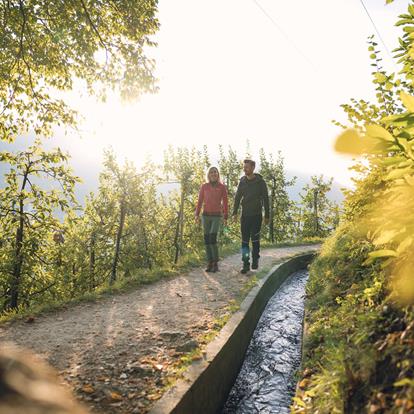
x: 197, y: 219
x: 266, y: 220
x: 225, y: 222
x: 234, y: 218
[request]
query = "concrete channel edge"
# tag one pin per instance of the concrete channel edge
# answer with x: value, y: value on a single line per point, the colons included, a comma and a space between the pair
x: 207, y: 382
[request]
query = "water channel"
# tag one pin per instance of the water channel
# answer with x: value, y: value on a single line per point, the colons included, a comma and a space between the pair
x: 266, y: 382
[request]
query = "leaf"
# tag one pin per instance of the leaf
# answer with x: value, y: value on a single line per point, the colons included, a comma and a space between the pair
x: 402, y: 120
x: 404, y: 382
x: 397, y: 173
x: 115, y: 396
x: 380, y: 77
x: 387, y: 262
x: 410, y: 180
x: 405, y: 244
x: 408, y: 101
x: 153, y: 397
x: 377, y: 131
x: 385, y: 237
x: 379, y: 254
x: 299, y: 401
x: 393, y: 160
x: 88, y: 389
x: 349, y: 142
x: 383, y: 253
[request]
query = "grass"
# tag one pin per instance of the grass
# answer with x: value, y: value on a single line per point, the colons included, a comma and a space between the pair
x: 144, y: 277
x: 358, y: 343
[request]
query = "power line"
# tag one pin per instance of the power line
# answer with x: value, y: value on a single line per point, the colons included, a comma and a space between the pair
x: 282, y: 32
x: 378, y: 33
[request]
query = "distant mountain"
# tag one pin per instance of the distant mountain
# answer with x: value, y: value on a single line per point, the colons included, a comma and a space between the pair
x: 90, y: 173
x: 335, y: 194
x: 88, y: 166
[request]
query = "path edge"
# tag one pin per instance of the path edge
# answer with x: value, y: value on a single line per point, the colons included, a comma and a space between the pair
x: 207, y: 382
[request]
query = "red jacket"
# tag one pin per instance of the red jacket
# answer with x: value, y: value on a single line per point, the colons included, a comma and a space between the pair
x: 214, y: 198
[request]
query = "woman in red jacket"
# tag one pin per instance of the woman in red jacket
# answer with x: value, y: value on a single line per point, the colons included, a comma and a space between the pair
x: 213, y: 199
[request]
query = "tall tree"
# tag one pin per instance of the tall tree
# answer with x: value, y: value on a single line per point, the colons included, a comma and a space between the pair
x: 119, y: 188
x: 27, y: 215
x: 187, y: 167
x: 280, y: 220
x: 46, y: 45
x: 320, y: 215
x: 230, y: 169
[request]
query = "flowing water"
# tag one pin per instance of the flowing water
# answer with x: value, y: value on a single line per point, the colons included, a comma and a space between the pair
x: 266, y: 382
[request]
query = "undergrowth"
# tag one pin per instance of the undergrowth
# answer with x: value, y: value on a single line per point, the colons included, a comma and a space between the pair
x: 131, y: 282
x: 358, y: 344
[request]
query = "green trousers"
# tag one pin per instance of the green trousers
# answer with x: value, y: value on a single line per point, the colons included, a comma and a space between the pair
x: 211, y: 227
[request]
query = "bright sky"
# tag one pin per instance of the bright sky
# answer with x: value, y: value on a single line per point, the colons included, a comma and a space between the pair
x: 229, y: 73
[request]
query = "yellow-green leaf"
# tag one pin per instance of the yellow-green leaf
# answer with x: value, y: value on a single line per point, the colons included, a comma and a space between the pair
x: 404, y: 382
x: 393, y: 160
x: 377, y: 131
x: 408, y: 101
x: 382, y: 253
x: 299, y: 401
x: 349, y: 142
x: 410, y: 180
x: 398, y: 173
x: 385, y: 236
x: 405, y: 244
x: 380, y: 77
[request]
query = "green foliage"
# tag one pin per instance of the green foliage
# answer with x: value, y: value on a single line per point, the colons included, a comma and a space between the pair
x: 187, y: 168
x: 281, y: 226
x: 230, y: 169
x: 359, y: 341
x: 46, y: 45
x: 350, y: 322
x: 126, y: 234
x: 126, y: 230
x: 29, y: 228
x: 319, y: 215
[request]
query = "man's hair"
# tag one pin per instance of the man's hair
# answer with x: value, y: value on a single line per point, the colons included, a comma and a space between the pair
x: 251, y: 162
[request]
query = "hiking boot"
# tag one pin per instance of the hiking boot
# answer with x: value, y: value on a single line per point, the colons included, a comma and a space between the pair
x: 255, y: 264
x: 215, y: 267
x: 245, y: 268
x: 209, y: 267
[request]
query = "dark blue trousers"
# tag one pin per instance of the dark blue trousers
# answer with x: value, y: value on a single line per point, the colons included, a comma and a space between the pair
x: 250, y: 230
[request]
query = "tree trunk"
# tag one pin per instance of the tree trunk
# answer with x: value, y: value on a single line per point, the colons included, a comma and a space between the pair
x: 92, y: 283
x: 315, y: 211
x: 180, y: 229
x: 276, y: 215
x: 298, y: 224
x: 18, y: 255
x: 17, y: 267
x: 176, y: 237
x: 118, y: 241
x: 148, y: 261
x: 271, y: 218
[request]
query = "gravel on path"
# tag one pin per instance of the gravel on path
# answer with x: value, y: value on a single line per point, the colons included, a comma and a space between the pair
x: 118, y: 353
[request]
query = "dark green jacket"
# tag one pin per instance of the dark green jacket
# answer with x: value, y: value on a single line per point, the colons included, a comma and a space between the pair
x: 253, y: 196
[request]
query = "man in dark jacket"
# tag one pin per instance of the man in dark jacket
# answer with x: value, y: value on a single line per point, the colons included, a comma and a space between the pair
x: 252, y: 192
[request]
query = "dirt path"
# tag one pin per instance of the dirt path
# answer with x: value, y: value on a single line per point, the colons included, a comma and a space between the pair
x: 117, y: 354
